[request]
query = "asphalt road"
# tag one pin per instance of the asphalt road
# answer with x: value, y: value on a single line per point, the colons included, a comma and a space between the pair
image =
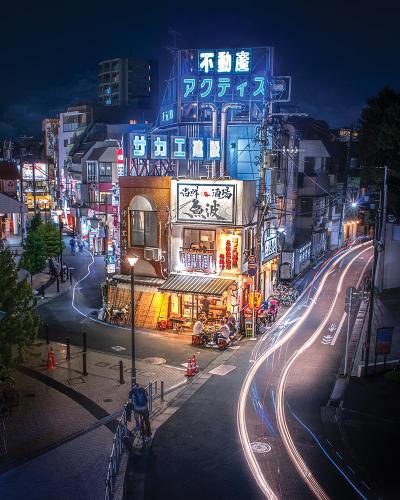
x: 64, y: 320
x: 281, y: 401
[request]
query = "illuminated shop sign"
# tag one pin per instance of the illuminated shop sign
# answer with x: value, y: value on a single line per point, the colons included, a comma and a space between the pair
x: 162, y: 147
x: 206, y: 203
x: 225, y: 75
x: 40, y: 171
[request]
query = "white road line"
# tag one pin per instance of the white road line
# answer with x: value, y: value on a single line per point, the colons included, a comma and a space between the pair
x: 366, y: 485
x: 351, y: 470
x: 363, y: 271
x: 339, y: 455
x: 338, y: 329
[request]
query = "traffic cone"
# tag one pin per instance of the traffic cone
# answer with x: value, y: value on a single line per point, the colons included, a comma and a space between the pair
x: 189, y: 370
x: 194, y: 364
x: 50, y: 359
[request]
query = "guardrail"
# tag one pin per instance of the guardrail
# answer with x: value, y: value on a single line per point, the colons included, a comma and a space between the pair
x: 118, y: 446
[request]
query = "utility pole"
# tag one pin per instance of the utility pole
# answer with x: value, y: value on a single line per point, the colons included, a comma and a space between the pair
x: 377, y: 239
x: 381, y: 255
x: 34, y: 188
x: 345, y: 184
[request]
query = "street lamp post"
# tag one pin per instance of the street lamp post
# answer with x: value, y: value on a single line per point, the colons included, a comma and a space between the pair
x: 132, y: 261
x: 60, y: 225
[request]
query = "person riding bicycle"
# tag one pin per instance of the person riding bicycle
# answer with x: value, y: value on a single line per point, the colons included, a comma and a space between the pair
x: 139, y: 398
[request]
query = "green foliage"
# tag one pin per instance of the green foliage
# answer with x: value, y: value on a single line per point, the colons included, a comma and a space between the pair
x: 34, y: 256
x: 380, y: 142
x: 35, y: 223
x: 19, y: 327
x: 50, y: 234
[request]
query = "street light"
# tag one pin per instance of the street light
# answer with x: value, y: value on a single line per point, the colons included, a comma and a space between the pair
x: 132, y: 261
x: 59, y: 212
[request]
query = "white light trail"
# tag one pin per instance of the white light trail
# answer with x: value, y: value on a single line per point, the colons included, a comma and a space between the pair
x: 241, y: 409
x: 283, y: 428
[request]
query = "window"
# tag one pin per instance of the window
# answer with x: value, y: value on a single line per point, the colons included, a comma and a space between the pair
x: 143, y: 222
x: 91, y: 171
x: 105, y: 169
x: 65, y: 143
x: 305, y: 207
x: 104, y: 197
x: 198, y: 238
x: 143, y: 228
x: 309, y: 166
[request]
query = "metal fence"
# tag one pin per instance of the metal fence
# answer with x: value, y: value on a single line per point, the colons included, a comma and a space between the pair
x: 118, y: 446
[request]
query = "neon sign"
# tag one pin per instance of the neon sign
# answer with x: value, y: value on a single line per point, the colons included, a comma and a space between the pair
x: 162, y: 147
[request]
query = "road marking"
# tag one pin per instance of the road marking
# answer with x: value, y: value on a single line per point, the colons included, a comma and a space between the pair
x: 326, y: 339
x: 338, y: 329
x: 258, y: 447
x: 363, y: 271
x: 351, y: 470
x: 339, y: 455
x: 330, y: 444
x: 222, y: 370
x: 333, y: 327
x: 118, y: 348
x: 366, y: 485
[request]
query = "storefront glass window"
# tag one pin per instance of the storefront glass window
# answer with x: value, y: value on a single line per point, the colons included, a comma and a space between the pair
x: 143, y: 228
x: 199, y: 238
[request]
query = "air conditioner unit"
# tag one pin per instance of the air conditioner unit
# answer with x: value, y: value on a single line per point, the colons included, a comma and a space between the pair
x: 152, y: 254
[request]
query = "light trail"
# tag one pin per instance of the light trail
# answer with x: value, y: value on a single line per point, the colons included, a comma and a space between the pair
x: 281, y: 340
x: 283, y: 428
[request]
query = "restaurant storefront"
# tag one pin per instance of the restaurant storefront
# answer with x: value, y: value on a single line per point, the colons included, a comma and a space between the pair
x: 269, y: 268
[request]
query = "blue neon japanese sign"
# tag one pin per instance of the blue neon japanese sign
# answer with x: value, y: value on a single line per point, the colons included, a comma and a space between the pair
x: 161, y: 147
x: 224, y: 75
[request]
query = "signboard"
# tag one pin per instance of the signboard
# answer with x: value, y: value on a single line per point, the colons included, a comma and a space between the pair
x: 252, y: 271
x: 224, y: 75
x: 120, y: 163
x: 40, y: 171
x: 270, y: 247
x: 160, y: 147
x: 383, y: 340
x: 42, y: 201
x: 206, y: 203
x: 110, y: 268
x: 252, y: 260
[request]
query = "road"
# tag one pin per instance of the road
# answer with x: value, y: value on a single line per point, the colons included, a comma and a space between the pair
x: 292, y: 374
x: 76, y: 311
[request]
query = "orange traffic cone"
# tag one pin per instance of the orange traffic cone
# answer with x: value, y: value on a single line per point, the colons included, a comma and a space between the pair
x: 195, y: 368
x: 189, y: 369
x: 50, y: 359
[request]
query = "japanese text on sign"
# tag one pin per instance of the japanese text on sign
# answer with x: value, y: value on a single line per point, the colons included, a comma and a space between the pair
x: 211, y: 203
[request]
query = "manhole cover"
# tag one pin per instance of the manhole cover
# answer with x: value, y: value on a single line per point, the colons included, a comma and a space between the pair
x: 258, y: 447
x: 107, y: 400
x: 102, y: 364
x: 155, y: 361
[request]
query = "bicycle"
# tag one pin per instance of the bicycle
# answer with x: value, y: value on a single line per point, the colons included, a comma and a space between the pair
x: 137, y: 434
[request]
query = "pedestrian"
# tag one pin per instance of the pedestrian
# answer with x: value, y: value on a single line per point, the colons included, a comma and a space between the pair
x: 72, y: 244
x: 64, y: 271
x: 140, y: 399
x: 81, y: 245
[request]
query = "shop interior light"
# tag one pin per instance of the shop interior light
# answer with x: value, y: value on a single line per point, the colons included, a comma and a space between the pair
x: 281, y: 229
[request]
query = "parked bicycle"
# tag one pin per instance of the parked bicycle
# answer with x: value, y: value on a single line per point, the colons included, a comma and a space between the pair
x: 286, y: 295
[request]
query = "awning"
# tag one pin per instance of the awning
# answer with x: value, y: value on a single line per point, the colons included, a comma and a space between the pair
x: 143, y: 280
x: 201, y: 285
x: 11, y: 206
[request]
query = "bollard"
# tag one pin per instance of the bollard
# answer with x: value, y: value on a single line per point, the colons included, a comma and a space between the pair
x: 150, y: 397
x: 42, y: 291
x: 68, y: 348
x: 58, y: 285
x: 121, y: 372
x: 84, y: 370
x: 70, y: 277
x: 47, y: 334
x: 84, y: 341
x: 67, y: 273
x: 156, y: 387
x: 162, y: 391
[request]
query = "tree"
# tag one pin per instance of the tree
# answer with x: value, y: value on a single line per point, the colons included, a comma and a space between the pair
x: 35, y: 223
x: 380, y: 143
x: 33, y: 258
x: 50, y: 235
x: 19, y: 327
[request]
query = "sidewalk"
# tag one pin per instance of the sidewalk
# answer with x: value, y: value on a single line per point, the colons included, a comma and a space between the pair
x: 56, y: 447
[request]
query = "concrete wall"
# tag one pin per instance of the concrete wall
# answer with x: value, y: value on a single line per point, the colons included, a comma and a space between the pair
x: 391, y: 262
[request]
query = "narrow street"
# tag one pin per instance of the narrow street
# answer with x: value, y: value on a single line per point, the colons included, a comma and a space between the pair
x: 68, y: 318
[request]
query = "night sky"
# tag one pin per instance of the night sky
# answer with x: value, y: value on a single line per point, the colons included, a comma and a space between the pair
x: 338, y: 54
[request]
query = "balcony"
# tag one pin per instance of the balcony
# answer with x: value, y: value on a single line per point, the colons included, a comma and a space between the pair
x: 198, y: 261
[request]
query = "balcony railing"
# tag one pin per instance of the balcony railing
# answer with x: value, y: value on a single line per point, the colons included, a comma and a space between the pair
x: 200, y: 261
